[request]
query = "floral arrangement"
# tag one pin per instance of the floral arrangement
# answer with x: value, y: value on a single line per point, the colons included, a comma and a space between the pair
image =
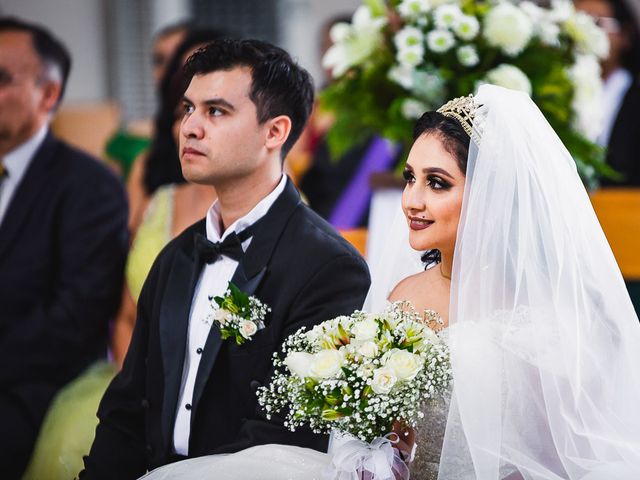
x: 237, y: 314
x: 358, y: 373
x: 400, y: 58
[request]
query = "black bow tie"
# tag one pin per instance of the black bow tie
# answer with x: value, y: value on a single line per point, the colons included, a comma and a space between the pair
x: 231, y: 246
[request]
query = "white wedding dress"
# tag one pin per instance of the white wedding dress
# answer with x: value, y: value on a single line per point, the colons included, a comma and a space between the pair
x: 544, y: 340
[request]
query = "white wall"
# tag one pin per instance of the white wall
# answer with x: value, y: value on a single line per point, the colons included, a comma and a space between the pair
x: 80, y: 25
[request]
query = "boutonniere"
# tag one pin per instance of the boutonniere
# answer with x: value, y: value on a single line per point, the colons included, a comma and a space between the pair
x: 237, y: 314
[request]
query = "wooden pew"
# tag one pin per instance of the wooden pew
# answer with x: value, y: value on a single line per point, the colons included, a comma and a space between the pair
x: 618, y: 210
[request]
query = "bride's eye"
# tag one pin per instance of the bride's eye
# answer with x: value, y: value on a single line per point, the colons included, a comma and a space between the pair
x: 408, y: 176
x: 436, y: 183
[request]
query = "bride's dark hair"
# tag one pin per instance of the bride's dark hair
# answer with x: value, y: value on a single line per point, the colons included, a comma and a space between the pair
x: 455, y: 141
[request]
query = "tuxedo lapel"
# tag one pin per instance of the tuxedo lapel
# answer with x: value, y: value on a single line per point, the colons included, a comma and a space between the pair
x: 248, y: 275
x: 30, y: 188
x: 173, y: 325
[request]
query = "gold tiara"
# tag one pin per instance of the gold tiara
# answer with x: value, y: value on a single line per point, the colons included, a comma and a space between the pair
x: 463, y: 109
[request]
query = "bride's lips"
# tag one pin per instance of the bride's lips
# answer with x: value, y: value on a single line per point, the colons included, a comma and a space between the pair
x: 191, y: 151
x: 417, y: 223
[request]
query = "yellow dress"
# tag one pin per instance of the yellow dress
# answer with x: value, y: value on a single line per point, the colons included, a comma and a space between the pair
x: 68, y: 429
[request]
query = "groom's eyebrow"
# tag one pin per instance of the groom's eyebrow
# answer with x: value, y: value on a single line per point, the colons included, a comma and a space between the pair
x: 441, y: 171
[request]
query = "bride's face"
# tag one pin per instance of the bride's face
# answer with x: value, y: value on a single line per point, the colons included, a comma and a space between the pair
x: 432, y: 198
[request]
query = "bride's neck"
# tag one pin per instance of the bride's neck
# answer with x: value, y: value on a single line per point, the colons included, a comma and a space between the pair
x: 445, y: 266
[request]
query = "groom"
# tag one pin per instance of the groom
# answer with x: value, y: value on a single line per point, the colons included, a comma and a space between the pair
x: 183, y: 391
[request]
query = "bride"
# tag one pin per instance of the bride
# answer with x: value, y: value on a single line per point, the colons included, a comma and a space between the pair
x: 545, y: 344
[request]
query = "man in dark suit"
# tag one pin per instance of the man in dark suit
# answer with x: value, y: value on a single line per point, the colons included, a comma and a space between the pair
x: 63, y: 243
x: 183, y: 391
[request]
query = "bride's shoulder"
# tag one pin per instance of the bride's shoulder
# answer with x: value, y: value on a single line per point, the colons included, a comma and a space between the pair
x: 410, y: 286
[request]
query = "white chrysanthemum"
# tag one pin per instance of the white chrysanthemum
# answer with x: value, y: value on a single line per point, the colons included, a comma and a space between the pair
x: 466, y: 27
x: 411, y: 56
x: 440, y: 41
x: 402, y: 75
x: 509, y: 76
x: 468, y: 56
x: 587, y: 97
x: 413, y: 109
x: 356, y: 42
x: 589, y: 38
x: 413, y: 9
x: 446, y: 16
x: 508, y: 28
x: 408, y: 37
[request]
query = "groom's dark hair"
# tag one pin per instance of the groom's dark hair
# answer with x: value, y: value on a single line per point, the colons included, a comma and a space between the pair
x: 279, y: 86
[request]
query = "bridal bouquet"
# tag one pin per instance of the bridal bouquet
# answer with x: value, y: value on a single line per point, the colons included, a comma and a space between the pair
x: 358, y: 373
x: 400, y: 58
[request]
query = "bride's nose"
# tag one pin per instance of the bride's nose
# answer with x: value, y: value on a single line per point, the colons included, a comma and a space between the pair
x: 413, y: 199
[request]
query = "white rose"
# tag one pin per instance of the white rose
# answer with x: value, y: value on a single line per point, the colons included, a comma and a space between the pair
x: 404, y: 364
x: 561, y: 10
x: 383, y: 380
x: 222, y: 316
x: 508, y: 28
x: 466, y: 27
x: 365, y: 329
x: 446, y: 16
x: 410, y: 56
x: 410, y: 9
x: 413, y: 109
x: 586, y: 103
x: 439, y: 41
x: 356, y: 42
x: 368, y: 349
x: 549, y: 33
x: 299, y: 363
x: 509, y: 76
x: 402, y: 75
x: 468, y: 56
x: 326, y: 364
x: 248, y: 329
x: 588, y: 36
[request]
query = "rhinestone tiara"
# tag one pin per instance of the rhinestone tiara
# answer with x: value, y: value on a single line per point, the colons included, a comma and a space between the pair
x: 463, y: 109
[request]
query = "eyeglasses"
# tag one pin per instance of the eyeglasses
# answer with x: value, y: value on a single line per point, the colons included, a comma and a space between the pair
x: 608, y: 24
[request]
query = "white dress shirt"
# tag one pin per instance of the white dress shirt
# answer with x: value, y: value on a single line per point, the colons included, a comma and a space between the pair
x: 614, y: 90
x: 213, y: 281
x: 17, y: 162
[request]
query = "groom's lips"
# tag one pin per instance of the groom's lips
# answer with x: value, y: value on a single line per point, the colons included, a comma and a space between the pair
x: 191, y: 151
x: 417, y: 223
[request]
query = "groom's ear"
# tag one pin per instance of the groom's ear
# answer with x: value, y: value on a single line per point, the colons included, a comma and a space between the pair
x: 278, y: 129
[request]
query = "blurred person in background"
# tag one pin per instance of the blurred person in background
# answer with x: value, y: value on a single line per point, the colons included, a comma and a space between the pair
x: 621, y: 96
x: 63, y: 242
x: 172, y: 206
x: 128, y: 143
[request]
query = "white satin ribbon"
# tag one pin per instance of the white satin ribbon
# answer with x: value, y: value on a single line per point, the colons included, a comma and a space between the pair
x: 353, y: 459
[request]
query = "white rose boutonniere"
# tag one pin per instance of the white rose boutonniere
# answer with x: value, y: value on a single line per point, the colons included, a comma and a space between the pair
x: 237, y: 314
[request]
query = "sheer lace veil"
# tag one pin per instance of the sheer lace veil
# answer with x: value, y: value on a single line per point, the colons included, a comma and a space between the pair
x: 545, y: 343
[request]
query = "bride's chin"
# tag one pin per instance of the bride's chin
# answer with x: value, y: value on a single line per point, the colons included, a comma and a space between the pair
x: 419, y: 244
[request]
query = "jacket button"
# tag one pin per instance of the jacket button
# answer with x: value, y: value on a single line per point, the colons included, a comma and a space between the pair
x: 145, y: 403
x: 188, y: 406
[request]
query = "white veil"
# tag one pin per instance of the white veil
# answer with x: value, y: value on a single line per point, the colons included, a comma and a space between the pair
x: 545, y: 343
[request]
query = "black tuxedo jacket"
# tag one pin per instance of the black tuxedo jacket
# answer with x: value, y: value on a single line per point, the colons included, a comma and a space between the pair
x: 624, y: 144
x: 63, y: 243
x: 299, y: 266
